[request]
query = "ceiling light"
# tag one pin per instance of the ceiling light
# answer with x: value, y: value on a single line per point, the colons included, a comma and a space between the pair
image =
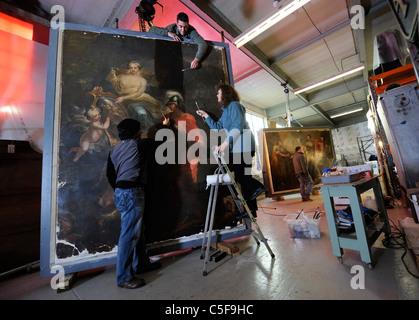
x: 346, y: 112
x: 269, y: 21
x: 339, y: 75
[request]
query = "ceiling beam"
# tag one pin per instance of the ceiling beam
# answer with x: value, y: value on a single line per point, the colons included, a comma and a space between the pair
x: 337, y: 90
x: 359, y: 104
x: 310, y: 42
x: 324, y: 115
x: 359, y: 39
x: 319, y: 97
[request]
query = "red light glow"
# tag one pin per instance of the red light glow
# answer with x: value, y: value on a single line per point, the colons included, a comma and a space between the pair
x: 16, y: 26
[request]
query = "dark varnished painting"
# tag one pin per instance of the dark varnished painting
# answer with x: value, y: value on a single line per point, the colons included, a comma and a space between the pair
x: 279, y: 148
x: 95, y: 93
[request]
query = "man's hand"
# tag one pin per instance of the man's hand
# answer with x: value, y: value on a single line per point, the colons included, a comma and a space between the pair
x: 174, y: 36
x: 195, y: 63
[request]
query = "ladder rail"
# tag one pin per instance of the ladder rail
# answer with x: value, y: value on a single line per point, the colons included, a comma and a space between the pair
x: 225, y: 169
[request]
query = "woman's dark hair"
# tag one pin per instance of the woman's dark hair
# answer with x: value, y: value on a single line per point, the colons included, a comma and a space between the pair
x: 229, y: 94
x: 127, y: 128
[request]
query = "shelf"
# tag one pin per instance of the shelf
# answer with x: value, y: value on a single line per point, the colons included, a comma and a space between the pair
x: 364, y: 236
x: 404, y: 76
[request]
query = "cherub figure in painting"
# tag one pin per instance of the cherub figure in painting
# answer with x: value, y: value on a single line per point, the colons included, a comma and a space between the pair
x: 93, y: 133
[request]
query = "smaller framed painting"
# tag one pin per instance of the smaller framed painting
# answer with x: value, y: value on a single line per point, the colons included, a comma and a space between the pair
x: 279, y: 148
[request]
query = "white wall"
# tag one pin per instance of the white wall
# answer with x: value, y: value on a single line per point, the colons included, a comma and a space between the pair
x: 345, y: 141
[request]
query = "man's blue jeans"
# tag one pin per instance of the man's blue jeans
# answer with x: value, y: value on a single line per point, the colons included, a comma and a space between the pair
x: 131, y: 244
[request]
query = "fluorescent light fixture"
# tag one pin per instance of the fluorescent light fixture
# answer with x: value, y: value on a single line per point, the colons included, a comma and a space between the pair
x: 339, y: 75
x: 267, y: 22
x: 346, y: 112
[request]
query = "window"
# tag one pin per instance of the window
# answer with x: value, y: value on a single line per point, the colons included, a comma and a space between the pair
x: 256, y: 123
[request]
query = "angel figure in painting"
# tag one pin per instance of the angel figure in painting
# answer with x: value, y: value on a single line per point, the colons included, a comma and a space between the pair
x: 93, y: 133
x: 131, y: 85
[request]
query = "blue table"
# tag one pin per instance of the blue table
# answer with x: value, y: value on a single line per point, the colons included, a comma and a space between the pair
x: 364, y: 236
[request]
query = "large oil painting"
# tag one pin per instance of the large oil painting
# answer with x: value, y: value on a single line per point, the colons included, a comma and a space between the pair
x: 100, y: 77
x: 279, y: 148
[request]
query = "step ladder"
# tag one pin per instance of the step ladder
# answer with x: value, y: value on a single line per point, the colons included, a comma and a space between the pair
x: 223, y: 176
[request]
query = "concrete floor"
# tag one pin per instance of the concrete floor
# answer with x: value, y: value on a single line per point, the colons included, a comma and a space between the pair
x: 302, y: 269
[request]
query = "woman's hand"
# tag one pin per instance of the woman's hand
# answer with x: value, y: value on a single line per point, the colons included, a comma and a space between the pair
x: 202, y: 113
x: 221, y: 147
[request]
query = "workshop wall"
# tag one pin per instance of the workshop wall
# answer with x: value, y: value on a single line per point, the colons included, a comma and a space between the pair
x: 345, y: 141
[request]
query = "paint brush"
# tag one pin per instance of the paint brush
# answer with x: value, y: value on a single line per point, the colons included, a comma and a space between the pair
x: 299, y: 212
x: 197, y: 105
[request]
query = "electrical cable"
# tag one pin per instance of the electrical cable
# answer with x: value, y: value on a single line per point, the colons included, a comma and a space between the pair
x: 396, y: 240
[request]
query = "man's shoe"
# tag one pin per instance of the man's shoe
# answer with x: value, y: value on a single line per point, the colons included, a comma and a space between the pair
x: 307, y: 199
x: 258, y: 192
x: 151, y: 266
x: 134, y: 283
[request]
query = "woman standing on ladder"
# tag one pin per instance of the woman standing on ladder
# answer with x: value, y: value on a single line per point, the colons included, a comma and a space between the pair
x: 240, y: 143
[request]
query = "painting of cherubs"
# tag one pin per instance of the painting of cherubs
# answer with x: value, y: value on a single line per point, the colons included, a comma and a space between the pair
x: 93, y: 133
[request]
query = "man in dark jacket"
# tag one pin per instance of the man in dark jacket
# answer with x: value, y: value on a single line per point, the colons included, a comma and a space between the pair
x: 301, y: 172
x: 180, y: 30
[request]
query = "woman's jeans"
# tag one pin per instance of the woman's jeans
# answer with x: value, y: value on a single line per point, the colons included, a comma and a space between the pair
x: 131, y: 245
x: 241, y: 165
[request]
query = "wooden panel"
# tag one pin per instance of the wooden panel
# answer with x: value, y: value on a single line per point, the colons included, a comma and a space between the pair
x: 20, y: 203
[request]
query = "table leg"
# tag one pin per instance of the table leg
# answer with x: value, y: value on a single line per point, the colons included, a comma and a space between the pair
x: 330, y: 216
x: 360, y: 229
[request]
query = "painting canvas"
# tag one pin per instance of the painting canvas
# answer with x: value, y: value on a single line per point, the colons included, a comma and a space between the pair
x: 279, y: 148
x: 90, y: 90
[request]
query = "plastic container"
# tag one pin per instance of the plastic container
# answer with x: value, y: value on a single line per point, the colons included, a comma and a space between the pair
x: 344, y: 178
x: 303, y: 227
x: 359, y: 168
